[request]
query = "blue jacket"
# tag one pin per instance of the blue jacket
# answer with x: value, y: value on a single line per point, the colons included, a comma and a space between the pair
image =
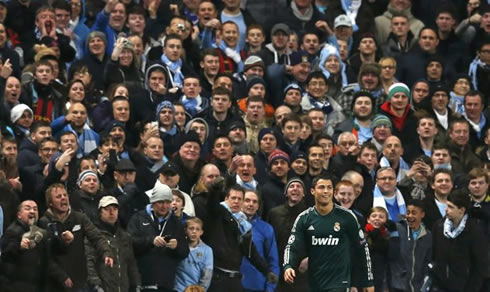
x: 196, y: 268
x: 265, y: 241
x: 102, y: 24
x: 81, y: 30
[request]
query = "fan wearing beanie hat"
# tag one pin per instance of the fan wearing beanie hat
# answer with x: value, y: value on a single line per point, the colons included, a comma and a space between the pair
x: 256, y: 87
x: 382, y: 129
x: 160, y: 238
x: 290, y: 182
x: 273, y: 189
x: 381, y: 120
x: 253, y: 62
x: 160, y: 193
x: 22, y: 116
x: 86, y: 199
x: 398, y: 88
x: 88, y: 181
x: 188, y: 160
x: 292, y: 97
x: 398, y: 110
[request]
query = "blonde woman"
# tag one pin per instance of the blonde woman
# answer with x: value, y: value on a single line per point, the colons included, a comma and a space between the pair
x: 388, y: 70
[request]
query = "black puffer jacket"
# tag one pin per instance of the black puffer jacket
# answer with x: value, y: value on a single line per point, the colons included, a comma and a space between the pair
x: 157, y: 265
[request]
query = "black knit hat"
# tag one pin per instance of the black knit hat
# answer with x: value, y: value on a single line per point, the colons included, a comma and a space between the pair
x: 191, y: 136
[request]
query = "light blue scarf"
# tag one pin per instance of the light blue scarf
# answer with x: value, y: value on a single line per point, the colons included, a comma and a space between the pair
x: 379, y: 201
x: 478, y: 128
x: 450, y: 231
x: 456, y: 103
x: 87, y: 141
x: 243, y: 225
x: 402, y: 168
x: 351, y: 7
x: 232, y: 53
x: 175, y: 69
x: 473, y: 69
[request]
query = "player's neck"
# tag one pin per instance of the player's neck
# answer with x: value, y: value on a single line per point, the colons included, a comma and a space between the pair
x: 324, y: 209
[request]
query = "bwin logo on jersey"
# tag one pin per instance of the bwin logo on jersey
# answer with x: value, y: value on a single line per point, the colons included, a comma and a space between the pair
x: 324, y: 241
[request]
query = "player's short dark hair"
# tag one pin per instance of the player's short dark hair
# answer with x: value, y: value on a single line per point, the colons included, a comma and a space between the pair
x: 324, y: 177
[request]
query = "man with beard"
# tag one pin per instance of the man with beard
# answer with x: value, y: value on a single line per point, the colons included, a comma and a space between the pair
x: 273, y: 189
x: 277, y: 51
x: 282, y: 219
x: 360, y: 122
x: 238, y: 136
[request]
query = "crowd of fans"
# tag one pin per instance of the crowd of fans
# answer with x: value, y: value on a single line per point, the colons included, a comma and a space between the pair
x: 170, y: 145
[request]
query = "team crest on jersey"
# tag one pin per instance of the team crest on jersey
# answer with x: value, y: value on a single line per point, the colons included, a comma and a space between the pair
x: 336, y: 227
x: 199, y: 255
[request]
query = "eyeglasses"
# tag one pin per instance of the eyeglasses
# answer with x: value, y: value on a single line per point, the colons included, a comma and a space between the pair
x: 76, y: 4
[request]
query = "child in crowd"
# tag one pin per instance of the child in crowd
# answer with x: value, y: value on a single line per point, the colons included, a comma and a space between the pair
x: 177, y: 205
x: 197, y: 268
x: 377, y: 237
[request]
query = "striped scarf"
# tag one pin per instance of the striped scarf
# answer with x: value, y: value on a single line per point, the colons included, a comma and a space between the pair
x: 379, y: 201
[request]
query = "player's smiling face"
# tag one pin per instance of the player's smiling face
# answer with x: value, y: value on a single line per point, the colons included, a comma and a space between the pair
x: 323, y: 191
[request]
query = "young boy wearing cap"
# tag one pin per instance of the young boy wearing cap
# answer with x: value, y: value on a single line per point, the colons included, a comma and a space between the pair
x: 124, y: 274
